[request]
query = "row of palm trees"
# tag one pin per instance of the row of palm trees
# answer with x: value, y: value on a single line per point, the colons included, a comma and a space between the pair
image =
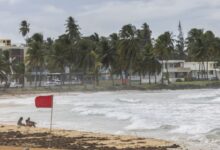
x: 130, y: 51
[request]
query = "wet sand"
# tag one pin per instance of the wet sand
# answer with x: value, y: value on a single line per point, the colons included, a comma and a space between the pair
x: 17, y: 138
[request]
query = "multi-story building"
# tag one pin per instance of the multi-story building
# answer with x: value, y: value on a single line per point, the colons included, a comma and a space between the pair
x: 16, y: 53
x: 203, y: 70
x: 182, y: 70
x: 175, y: 70
x: 16, y: 56
x: 5, y: 42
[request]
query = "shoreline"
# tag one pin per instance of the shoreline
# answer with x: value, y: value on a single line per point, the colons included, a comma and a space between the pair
x: 103, y: 88
x: 40, y: 139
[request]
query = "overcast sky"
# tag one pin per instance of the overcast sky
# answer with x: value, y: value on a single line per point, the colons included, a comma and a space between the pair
x: 107, y: 16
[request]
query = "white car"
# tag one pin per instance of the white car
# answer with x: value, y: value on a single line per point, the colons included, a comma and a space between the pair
x: 15, y: 85
x: 53, y: 83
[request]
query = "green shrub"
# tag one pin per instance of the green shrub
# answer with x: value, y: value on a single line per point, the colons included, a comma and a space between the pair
x: 179, y: 80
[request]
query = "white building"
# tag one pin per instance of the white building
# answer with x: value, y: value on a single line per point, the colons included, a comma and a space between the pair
x: 204, y: 70
x: 5, y: 42
x: 175, y: 69
x: 182, y: 70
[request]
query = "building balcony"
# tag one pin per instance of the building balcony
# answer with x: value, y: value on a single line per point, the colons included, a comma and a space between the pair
x: 177, y: 69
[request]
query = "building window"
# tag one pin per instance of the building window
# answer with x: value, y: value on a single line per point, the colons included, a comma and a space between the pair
x: 177, y: 65
x: 211, y: 72
x: 170, y: 65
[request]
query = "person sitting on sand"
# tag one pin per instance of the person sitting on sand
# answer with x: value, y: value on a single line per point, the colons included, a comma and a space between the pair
x: 20, y: 122
x: 30, y: 123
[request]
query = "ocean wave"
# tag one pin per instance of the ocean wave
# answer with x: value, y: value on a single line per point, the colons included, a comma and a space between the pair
x: 198, y: 95
x: 216, y: 100
x: 25, y: 101
x: 140, y: 124
x: 107, y: 112
x: 214, y: 134
x: 191, y: 129
x: 168, y: 127
x: 126, y: 100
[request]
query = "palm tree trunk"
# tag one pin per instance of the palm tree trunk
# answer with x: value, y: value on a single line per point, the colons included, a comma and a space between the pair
x: 149, y: 79
x: 216, y: 75
x: 199, y: 70
x: 40, y: 78
x: 130, y: 74
x: 36, y: 78
x: 84, y: 80
x: 94, y: 81
x: 121, y: 75
x: 207, y: 68
x: 162, y: 71
x: 140, y: 78
x: 97, y: 79
x: 112, y: 78
x: 167, y: 75
x: 203, y: 72
x: 30, y: 79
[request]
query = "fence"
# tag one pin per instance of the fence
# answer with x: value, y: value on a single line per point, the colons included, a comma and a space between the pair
x: 74, y: 79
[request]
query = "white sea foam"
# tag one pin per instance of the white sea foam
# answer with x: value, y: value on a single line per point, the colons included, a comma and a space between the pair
x: 141, y: 124
x: 127, y: 100
x: 23, y: 101
x: 216, y: 100
x: 176, y: 115
x: 197, y: 96
x: 191, y: 129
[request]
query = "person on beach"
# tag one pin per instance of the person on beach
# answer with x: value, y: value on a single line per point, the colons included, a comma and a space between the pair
x: 20, y: 122
x: 30, y: 123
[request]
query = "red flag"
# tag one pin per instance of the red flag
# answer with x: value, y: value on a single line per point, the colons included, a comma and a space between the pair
x: 44, y: 101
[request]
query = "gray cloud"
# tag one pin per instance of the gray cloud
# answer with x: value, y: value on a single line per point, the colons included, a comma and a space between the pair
x: 105, y: 17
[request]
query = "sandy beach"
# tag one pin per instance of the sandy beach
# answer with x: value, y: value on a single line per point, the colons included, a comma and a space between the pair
x: 16, y: 138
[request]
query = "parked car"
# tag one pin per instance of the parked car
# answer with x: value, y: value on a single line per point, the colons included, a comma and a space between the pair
x: 53, y: 83
x: 214, y: 79
x: 15, y: 85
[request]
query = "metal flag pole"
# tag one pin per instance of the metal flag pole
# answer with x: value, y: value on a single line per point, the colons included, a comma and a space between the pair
x: 51, y: 123
x: 51, y: 117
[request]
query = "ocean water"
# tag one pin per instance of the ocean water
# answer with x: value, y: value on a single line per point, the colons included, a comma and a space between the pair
x: 187, y: 117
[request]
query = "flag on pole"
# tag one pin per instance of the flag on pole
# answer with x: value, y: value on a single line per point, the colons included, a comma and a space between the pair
x: 44, y: 101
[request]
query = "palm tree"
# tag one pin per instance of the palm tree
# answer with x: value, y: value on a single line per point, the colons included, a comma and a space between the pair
x: 57, y: 57
x: 106, y: 55
x: 24, y: 28
x: 95, y: 37
x: 128, y: 48
x: 209, y: 44
x: 72, y: 29
x: 72, y: 38
x: 86, y: 60
x: 113, y: 58
x: 163, y: 50
x: 196, y: 48
x: 96, y: 66
x: 144, y: 36
x: 35, y: 55
x: 4, y: 68
x: 145, y: 54
x: 216, y: 54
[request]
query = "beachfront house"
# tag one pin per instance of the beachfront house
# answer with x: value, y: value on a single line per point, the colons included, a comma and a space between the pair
x: 203, y: 70
x: 180, y: 70
x: 175, y: 70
